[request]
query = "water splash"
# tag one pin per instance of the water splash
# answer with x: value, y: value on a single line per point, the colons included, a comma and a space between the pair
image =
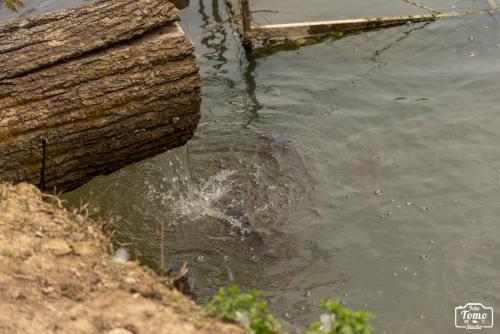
x: 186, y: 201
x: 174, y: 165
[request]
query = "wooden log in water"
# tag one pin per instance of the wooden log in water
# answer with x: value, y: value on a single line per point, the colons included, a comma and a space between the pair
x: 85, y: 91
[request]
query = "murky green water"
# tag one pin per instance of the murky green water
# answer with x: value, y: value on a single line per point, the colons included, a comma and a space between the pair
x: 370, y: 166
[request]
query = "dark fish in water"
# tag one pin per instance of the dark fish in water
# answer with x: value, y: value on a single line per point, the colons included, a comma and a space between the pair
x: 235, y: 215
x: 285, y: 151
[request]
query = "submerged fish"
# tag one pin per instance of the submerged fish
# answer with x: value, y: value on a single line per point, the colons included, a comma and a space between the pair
x: 233, y: 214
x: 286, y: 152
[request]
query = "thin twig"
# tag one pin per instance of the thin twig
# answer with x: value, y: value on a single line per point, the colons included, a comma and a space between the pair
x: 161, y: 230
x: 55, y: 198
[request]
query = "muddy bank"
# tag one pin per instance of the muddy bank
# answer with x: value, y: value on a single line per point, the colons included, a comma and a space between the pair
x: 57, y: 276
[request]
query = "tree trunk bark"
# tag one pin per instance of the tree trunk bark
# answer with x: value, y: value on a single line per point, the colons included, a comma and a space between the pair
x: 85, y: 91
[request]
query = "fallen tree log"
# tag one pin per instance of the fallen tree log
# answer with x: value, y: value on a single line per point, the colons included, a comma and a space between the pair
x: 85, y: 91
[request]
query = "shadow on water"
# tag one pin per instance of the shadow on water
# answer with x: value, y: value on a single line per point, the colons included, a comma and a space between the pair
x: 249, y: 76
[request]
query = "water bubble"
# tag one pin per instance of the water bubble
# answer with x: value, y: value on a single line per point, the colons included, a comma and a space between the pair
x: 424, y: 209
x: 408, y: 203
x: 200, y: 258
x: 395, y: 274
x: 254, y: 258
x: 424, y: 257
x: 378, y: 192
x: 308, y: 293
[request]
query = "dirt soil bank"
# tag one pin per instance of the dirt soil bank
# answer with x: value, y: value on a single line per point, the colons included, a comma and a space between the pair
x: 57, y: 276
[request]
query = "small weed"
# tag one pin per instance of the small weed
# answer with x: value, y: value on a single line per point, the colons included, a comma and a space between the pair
x: 13, y: 5
x: 244, y: 308
x: 8, y: 253
x: 11, y: 255
x: 341, y: 320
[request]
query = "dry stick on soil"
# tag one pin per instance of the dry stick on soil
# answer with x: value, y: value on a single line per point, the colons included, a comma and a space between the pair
x: 161, y: 232
x: 55, y: 198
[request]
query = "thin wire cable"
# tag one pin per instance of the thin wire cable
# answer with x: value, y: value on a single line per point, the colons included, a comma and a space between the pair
x: 420, y: 5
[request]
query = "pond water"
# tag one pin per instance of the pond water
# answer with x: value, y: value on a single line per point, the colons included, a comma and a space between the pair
x: 369, y: 166
x: 290, y: 11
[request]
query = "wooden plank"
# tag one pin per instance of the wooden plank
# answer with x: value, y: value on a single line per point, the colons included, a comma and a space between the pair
x: 311, y: 29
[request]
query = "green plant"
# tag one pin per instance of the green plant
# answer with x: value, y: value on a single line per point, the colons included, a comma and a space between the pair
x: 341, y: 320
x: 244, y: 308
x: 8, y: 253
x: 13, y: 5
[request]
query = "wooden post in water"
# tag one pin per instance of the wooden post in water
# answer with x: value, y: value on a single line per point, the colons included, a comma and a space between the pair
x: 246, y: 19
